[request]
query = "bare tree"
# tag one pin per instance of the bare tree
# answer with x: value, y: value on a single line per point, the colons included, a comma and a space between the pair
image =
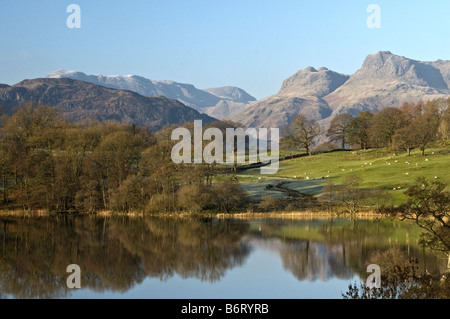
x: 339, y: 128
x: 350, y: 194
x: 428, y: 205
x: 304, y: 131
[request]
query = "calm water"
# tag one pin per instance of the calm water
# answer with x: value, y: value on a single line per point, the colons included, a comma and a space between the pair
x: 124, y: 257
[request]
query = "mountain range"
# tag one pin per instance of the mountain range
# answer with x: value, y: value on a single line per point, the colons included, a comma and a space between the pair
x: 219, y: 102
x: 81, y: 100
x: 384, y: 80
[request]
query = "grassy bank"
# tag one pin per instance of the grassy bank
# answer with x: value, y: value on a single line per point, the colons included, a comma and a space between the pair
x: 377, y: 168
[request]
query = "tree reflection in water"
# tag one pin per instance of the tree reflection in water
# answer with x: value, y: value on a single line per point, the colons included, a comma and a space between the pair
x: 113, y: 253
x: 119, y: 253
x: 344, y: 248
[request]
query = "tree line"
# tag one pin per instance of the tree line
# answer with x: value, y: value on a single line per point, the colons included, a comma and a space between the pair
x: 48, y: 163
x: 411, y: 126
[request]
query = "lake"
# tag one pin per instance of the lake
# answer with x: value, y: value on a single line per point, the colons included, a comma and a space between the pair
x: 178, y: 258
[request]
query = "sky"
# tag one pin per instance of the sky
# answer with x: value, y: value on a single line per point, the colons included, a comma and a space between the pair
x: 252, y: 44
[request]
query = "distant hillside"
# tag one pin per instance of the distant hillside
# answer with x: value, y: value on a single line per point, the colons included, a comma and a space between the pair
x: 217, y: 102
x: 81, y: 100
x: 384, y: 80
x: 231, y: 93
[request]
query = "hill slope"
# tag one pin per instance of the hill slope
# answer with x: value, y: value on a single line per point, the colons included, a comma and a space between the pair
x: 81, y: 100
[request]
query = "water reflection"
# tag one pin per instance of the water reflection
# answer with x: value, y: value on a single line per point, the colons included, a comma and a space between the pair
x: 119, y: 253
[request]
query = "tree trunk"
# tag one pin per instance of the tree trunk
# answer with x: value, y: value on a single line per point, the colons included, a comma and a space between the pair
x: 5, y: 189
x: 102, y: 185
x: 447, y: 271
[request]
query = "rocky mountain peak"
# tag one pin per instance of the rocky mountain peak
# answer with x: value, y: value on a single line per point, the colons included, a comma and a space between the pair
x: 386, y: 66
x: 384, y: 80
x: 232, y: 93
x: 312, y: 82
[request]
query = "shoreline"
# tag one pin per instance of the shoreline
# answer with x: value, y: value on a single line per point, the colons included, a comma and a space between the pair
x: 301, y: 215
x: 223, y: 216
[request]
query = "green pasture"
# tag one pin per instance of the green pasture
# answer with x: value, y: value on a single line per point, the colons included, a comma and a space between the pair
x: 377, y: 168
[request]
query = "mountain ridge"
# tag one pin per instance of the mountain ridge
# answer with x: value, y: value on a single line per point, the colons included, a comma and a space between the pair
x: 81, y: 100
x: 209, y: 101
x: 384, y: 79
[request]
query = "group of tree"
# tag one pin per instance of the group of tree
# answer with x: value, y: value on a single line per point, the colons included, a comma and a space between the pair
x: 51, y: 164
x: 428, y: 206
x: 411, y: 126
x: 349, y: 197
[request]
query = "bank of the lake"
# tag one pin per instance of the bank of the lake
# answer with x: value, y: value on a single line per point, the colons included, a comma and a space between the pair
x: 237, y: 215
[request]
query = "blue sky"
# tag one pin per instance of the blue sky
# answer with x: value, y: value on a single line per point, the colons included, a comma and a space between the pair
x: 253, y: 44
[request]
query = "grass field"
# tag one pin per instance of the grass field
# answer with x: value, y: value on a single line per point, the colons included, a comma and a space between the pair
x: 377, y: 168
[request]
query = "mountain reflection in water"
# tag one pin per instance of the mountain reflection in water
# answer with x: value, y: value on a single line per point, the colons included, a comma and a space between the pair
x: 119, y: 253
